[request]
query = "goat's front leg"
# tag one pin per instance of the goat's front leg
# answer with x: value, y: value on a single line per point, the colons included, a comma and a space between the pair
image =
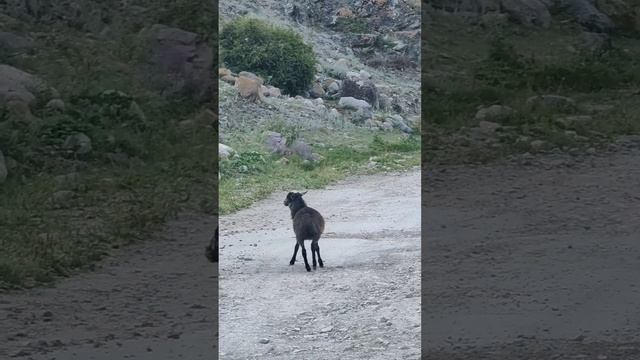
x: 295, y: 252
x: 304, y: 256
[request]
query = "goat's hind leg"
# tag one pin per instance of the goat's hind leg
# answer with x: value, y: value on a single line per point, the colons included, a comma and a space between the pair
x: 313, y: 255
x: 295, y: 252
x: 315, y: 243
x: 304, y: 256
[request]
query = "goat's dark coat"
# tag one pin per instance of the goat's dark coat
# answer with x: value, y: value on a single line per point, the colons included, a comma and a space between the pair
x: 308, y: 224
x: 212, y: 250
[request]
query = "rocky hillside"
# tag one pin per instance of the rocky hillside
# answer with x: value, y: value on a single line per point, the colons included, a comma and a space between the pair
x: 366, y: 86
x: 529, y: 76
x: 98, y: 101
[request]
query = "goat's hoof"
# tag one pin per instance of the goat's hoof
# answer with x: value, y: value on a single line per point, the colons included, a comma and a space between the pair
x: 314, y: 266
x: 308, y: 269
x: 291, y: 262
x: 321, y: 265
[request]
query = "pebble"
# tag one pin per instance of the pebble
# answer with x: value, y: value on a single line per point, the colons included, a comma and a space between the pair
x: 264, y: 341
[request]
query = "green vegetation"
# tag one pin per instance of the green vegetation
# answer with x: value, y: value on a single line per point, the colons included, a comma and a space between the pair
x: 253, y: 173
x: 151, y: 156
x: 278, y: 55
x: 507, y: 65
x: 352, y: 25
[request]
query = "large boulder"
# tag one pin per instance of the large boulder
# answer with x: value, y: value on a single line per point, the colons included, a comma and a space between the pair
x: 587, y: 14
x: 179, y: 62
x: 21, y: 91
x: 528, y: 12
x: 358, y: 88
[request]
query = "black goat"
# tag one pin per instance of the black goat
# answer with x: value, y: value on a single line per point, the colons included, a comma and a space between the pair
x: 308, y: 224
x: 212, y: 250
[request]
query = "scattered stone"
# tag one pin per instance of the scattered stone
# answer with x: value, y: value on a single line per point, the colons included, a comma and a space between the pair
x: 229, y: 79
x: 80, y: 143
x: 225, y: 152
x: 362, y: 114
x: 264, y: 341
x: 316, y: 91
x: 528, y: 12
x: 538, y: 145
x: 272, y: 91
x: 353, y: 103
x: 360, y: 89
x: 399, y: 122
x: 55, y: 105
x: 488, y: 127
x: 276, y: 143
x: 171, y: 46
x: 249, y: 87
x: 494, y: 113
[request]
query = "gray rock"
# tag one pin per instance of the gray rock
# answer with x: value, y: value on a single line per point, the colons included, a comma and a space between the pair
x: 302, y: 149
x: 276, y: 143
x: 353, y: 103
x: 399, y: 123
x: 225, y: 152
x: 362, y: 114
x: 180, y: 62
x: 55, y: 105
x: 80, y: 143
x: 17, y: 86
x: 360, y: 89
x: 587, y: 14
x: 538, y: 145
x: 494, y: 113
x: 528, y: 12
x: 316, y: 91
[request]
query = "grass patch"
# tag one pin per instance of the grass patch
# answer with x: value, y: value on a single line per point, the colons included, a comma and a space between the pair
x: 342, y: 156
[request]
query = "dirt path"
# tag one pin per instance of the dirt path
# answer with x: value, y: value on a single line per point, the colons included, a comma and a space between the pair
x: 534, y: 260
x: 365, y: 302
x: 154, y: 301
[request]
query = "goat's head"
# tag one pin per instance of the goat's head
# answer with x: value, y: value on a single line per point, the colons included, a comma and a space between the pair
x: 291, y: 197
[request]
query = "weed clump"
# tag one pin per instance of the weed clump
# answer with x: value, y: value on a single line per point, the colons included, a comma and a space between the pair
x: 278, y: 55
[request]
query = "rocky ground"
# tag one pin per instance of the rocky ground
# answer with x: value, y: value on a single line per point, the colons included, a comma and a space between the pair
x: 533, y: 257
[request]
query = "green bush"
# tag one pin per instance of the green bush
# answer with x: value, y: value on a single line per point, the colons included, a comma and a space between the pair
x: 276, y: 54
x: 504, y: 67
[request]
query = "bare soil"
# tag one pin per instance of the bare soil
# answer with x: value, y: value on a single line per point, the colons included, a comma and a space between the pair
x: 534, y: 258
x: 364, y: 303
x: 156, y: 300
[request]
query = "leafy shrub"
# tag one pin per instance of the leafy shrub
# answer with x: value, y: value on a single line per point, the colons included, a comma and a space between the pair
x: 250, y: 162
x: 504, y: 67
x: 273, y: 53
x: 351, y: 25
